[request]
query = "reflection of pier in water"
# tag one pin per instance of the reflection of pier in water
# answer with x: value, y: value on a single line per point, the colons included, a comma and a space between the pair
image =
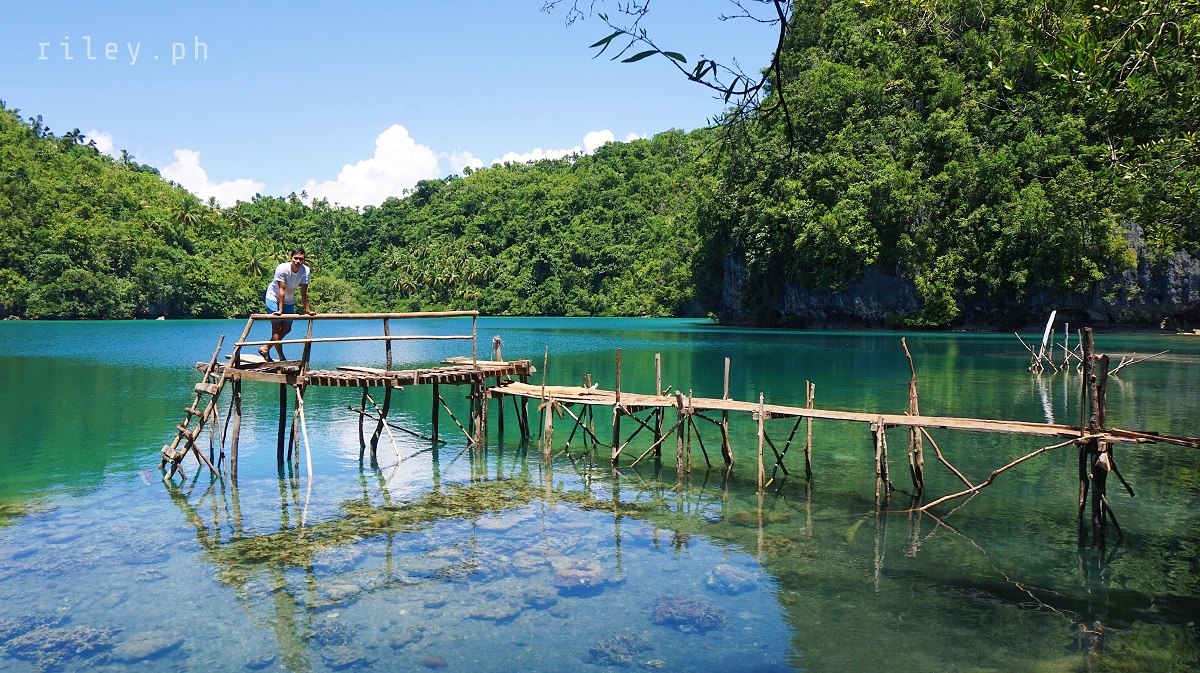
x: 784, y: 544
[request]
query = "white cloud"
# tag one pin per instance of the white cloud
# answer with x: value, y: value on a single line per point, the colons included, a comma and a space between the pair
x: 461, y: 159
x: 595, y: 139
x: 399, y: 163
x: 634, y: 136
x: 104, y: 141
x: 187, y: 171
x: 591, y: 141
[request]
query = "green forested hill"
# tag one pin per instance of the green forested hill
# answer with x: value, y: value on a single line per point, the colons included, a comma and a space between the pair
x: 85, y: 236
x: 984, y: 152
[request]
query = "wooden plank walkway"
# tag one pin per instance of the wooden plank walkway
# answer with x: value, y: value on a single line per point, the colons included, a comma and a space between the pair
x: 456, y: 370
x: 633, y: 403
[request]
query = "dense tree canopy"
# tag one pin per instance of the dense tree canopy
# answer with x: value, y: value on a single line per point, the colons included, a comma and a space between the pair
x: 986, y: 152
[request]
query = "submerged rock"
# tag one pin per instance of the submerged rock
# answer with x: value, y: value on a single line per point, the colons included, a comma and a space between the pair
x: 342, y: 657
x: 687, y: 614
x: 540, y: 596
x: 409, y: 635
x: 619, y: 650
x: 729, y: 579
x: 146, y: 645
x: 330, y: 632
x: 258, y: 663
x: 12, y: 627
x: 581, y: 576
x: 51, y: 648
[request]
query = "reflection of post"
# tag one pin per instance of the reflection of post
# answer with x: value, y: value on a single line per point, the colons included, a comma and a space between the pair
x: 880, y: 538
x: 616, y: 500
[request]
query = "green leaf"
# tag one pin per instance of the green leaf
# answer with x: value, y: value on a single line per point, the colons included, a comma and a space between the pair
x: 639, y: 56
x: 606, y: 40
x: 675, y: 55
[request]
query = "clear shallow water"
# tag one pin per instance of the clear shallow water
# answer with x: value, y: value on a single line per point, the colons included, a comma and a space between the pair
x: 495, y: 561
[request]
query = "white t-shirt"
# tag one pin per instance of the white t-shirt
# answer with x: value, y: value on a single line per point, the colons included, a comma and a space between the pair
x: 283, y: 274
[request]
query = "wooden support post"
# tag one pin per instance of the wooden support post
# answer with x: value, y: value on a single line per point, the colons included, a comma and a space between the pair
x: 524, y: 413
x: 283, y: 409
x: 1092, y: 411
x: 498, y: 357
x: 483, y: 413
x: 303, y: 428
x: 679, y: 430
x: 237, y: 429
x: 810, y: 398
x: 294, y: 448
x: 691, y: 425
x: 878, y: 430
x: 545, y: 363
x: 306, y: 354
x: 1098, y: 466
x: 1098, y: 460
x: 658, y: 412
x: 916, y: 454
x: 437, y: 408
x: 362, y: 414
x: 761, y: 415
x: 548, y: 429
x: 726, y: 451
x: 387, y: 346
x: 387, y: 405
x: 616, y: 440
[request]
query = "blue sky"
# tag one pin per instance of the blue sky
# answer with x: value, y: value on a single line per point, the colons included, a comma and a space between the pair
x: 354, y: 100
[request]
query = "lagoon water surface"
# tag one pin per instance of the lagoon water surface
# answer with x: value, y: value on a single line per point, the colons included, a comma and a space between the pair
x: 496, y: 561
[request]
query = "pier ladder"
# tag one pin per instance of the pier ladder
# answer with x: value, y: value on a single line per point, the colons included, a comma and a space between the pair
x: 207, y: 392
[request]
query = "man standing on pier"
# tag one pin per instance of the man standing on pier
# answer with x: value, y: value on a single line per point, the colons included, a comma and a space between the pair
x: 280, y: 299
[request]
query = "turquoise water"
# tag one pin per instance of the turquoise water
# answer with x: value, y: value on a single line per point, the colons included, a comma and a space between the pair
x: 496, y: 561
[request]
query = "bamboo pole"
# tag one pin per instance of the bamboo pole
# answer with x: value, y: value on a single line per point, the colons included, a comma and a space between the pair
x: 381, y: 424
x: 810, y: 398
x: 436, y: 412
x: 237, y: 430
x: 362, y: 439
x: 916, y: 454
x: 548, y: 428
x: 283, y: 408
x: 658, y: 412
x: 726, y: 451
x: 762, y: 475
x: 616, y: 424
x: 304, y: 430
x: 679, y: 429
x: 994, y: 474
x: 1091, y: 412
x: 500, y: 406
x: 387, y: 346
x: 690, y: 426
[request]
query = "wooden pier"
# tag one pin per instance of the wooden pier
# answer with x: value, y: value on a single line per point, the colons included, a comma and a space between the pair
x: 497, y: 378
x: 294, y: 376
